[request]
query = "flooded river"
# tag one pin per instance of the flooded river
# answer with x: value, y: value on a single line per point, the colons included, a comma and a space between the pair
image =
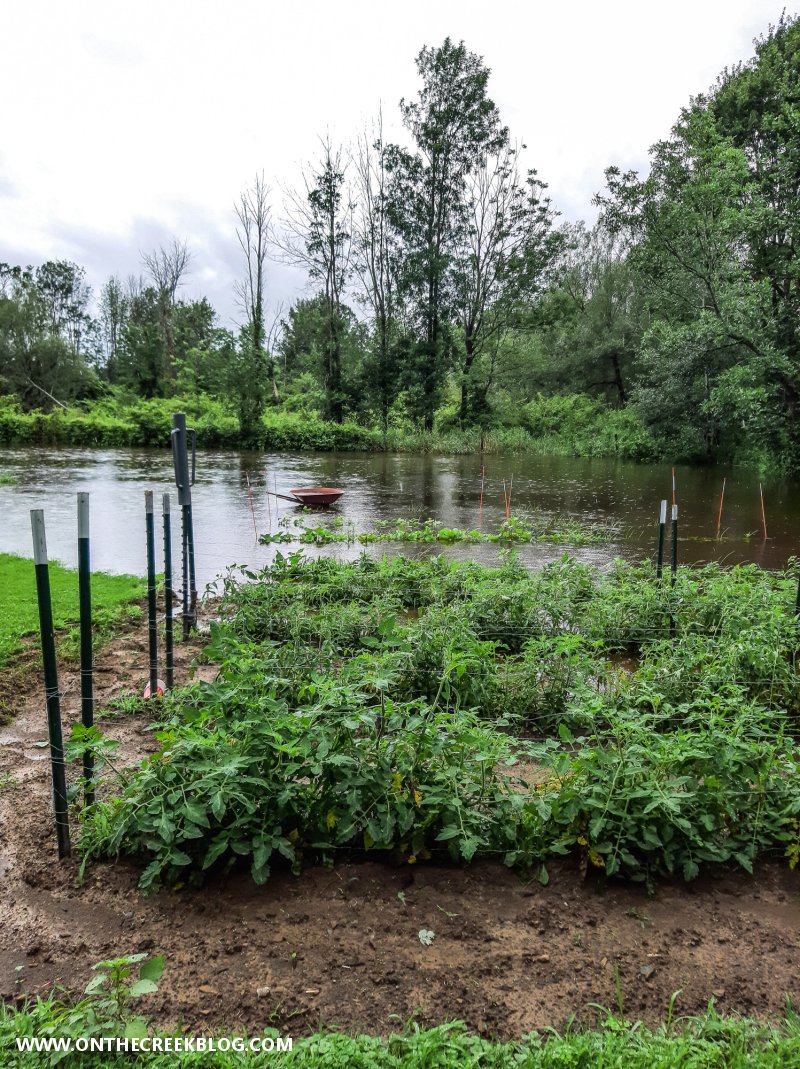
x: 379, y: 487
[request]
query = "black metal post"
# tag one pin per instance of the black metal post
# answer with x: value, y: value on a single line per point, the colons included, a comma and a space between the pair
x: 673, y: 564
x: 674, y: 546
x: 52, y: 699
x: 85, y: 601
x: 187, y: 618
x: 168, y: 639
x: 184, y: 479
x: 152, y: 623
x: 192, y: 583
x: 662, y: 521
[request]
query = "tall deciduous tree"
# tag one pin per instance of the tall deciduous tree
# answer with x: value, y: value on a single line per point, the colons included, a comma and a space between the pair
x: 167, y: 269
x: 455, y: 126
x: 113, y: 315
x: 254, y: 234
x: 500, y: 262
x: 40, y: 358
x: 318, y: 236
x: 590, y: 321
x: 375, y: 264
x: 66, y: 297
x: 716, y: 240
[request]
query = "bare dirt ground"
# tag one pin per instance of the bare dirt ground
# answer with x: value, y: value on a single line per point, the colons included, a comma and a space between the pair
x: 340, y: 947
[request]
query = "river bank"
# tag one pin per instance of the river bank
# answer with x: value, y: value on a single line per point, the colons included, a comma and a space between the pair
x: 570, y: 426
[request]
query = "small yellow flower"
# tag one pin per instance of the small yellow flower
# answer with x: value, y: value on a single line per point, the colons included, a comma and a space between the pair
x: 330, y: 819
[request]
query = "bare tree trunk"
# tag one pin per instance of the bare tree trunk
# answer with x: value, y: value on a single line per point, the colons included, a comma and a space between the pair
x: 623, y: 396
x: 167, y: 268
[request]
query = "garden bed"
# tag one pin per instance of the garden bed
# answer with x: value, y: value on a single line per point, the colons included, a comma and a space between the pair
x: 340, y: 945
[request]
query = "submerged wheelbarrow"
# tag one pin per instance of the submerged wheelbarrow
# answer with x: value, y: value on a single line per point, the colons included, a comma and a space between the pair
x: 312, y: 496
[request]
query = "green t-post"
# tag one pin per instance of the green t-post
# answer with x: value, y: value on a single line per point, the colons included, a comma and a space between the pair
x: 85, y: 603
x: 152, y: 623
x: 52, y: 699
x: 168, y: 627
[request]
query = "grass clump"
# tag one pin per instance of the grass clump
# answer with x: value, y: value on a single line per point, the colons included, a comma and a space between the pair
x: 111, y: 1008
x: 112, y: 597
x: 724, y: 1042
x: 515, y: 530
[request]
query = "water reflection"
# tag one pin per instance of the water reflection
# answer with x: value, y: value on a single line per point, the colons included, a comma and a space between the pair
x: 384, y: 486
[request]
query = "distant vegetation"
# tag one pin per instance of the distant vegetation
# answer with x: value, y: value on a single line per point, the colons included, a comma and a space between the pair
x: 574, y: 425
x: 449, y: 306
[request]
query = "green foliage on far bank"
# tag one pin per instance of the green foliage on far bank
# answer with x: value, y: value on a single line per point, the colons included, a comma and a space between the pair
x: 571, y: 425
x: 448, y: 308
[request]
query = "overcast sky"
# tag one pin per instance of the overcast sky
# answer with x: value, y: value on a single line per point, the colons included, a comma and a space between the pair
x: 127, y: 123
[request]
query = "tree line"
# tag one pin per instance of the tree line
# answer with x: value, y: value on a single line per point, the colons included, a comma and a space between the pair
x: 445, y: 291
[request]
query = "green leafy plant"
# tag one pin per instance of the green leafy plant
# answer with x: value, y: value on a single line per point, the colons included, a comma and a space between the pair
x: 382, y: 705
x: 108, y: 1006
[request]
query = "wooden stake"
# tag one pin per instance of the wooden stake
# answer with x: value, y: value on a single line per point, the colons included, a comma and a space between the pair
x: 252, y: 507
x: 763, y: 514
x: 719, y: 514
x: 269, y: 503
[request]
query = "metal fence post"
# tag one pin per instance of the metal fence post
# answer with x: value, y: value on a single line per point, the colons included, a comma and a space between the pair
x: 85, y: 600
x: 52, y: 698
x: 184, y: 480
x: 152, y: 623
x: 168, y: 632
x: 662, y: 520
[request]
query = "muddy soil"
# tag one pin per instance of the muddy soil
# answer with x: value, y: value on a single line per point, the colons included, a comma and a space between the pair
x: 340, y: 946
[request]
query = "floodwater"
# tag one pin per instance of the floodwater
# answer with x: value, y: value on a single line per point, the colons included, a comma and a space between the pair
x: 385, y: 486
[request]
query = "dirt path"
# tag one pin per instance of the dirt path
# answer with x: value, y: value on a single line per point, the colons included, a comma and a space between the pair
x: 340, y: 946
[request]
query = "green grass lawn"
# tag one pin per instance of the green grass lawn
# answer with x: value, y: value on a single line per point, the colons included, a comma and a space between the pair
x: 19, y: 614
x: 699, y: 1043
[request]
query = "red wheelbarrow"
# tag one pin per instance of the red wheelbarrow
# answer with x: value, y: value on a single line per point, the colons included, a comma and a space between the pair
x: 319, y: 496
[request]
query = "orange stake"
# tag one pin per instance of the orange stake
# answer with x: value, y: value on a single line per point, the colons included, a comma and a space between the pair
x: 763, y: 514
x: 269, y: 506
x: 719, y: 514
x: 508, y: 503
x: 252, y: 508
x: 480, y: 505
